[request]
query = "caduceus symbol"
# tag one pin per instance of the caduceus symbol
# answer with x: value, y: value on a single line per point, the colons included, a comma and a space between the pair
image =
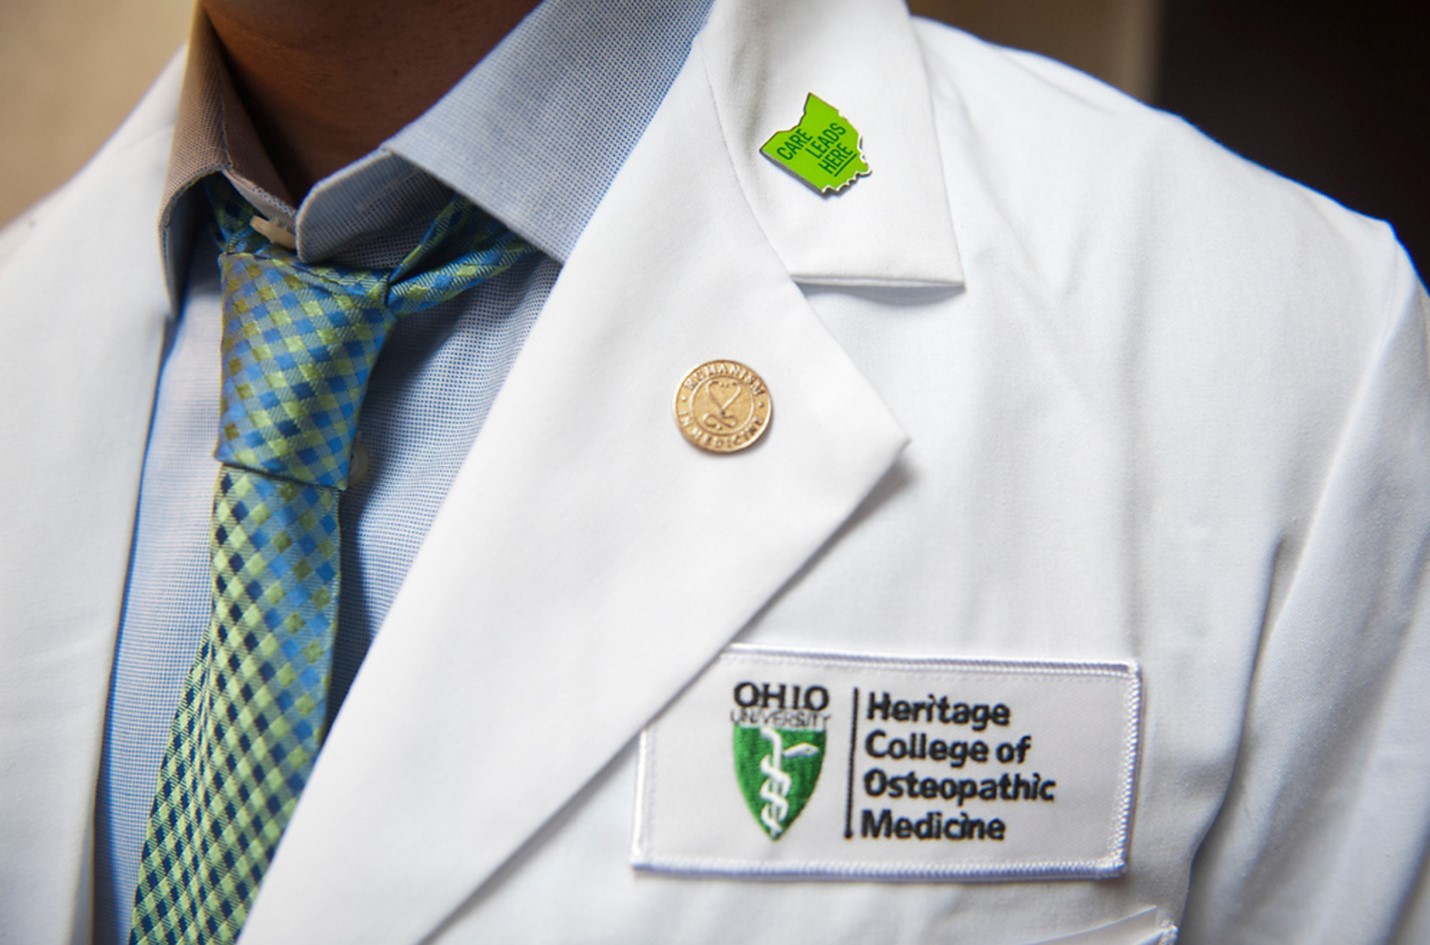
x: 721, y: 416
x: 775, y: 791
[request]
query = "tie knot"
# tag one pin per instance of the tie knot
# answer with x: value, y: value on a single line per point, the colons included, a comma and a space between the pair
x: 300, y: 340
x: 297, y: 353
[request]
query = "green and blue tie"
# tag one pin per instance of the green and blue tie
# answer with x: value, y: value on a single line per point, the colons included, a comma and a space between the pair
x: 299, y: 343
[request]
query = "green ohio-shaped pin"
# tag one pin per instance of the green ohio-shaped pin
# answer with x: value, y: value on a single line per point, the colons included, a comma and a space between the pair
x: 822, y: 150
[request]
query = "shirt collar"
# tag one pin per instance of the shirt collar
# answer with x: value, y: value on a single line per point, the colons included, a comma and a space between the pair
x: 534, y: 133
x: 537, y: 131
x: 212, y: 131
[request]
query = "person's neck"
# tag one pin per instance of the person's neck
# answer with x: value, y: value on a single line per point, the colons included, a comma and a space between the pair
x: 327, y: 81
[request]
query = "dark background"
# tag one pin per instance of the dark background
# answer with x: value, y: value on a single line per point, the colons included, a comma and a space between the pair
x: 1335, y: 95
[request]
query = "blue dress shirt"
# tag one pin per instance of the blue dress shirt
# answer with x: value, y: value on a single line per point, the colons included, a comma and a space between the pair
x: 535, y: 133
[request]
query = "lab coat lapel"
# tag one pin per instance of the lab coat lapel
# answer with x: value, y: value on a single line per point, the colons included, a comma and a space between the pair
x: 85, y: 285
x: 588, y: 561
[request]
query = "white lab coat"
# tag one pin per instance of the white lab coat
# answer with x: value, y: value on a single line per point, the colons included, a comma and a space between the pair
x: 1060, y: 380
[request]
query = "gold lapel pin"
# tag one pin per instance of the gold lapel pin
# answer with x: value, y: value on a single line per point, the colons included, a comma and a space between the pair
x: 723, y: 406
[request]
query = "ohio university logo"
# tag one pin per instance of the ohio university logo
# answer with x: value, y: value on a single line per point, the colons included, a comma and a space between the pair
x: 779, y: 749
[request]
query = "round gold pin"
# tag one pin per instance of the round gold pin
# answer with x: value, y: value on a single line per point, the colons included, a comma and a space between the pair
x: 723, y: 406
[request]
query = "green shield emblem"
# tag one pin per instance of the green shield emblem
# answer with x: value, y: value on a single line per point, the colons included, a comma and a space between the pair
x: 777, y: 769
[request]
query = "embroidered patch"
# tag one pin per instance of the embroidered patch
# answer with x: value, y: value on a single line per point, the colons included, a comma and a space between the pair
x: 795, y: 763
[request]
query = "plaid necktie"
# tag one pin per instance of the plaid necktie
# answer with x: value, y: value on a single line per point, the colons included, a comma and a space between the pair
x: 299, y: 343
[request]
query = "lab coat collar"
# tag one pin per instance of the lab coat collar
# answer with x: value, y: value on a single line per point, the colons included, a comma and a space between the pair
x: 893, y: 228
x: 589, y: 562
